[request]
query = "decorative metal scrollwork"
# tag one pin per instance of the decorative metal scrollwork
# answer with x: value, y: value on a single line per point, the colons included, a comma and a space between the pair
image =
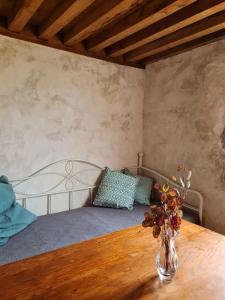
x: 68, y: 179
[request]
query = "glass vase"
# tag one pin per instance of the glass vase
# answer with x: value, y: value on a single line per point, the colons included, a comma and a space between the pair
x: 166, y: 259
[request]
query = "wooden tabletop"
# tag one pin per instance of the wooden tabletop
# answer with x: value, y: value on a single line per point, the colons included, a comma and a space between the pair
x: 121, y: 265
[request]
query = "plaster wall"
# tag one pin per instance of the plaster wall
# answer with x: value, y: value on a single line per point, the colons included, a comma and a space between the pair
x: 184, y: 123
x: 56, y: 105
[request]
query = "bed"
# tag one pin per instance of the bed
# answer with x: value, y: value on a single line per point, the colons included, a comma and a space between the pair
x: 63, y: 180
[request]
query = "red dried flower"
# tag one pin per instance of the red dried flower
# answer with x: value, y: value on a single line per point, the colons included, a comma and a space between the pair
x: 148, y: 221
x: 172, y: 204
x: 172, y: 193
x: 163, y: 197
x: 179, y: 202
x: 160, y: 220
x: 157, y: 186
x: 147, y: 215
x: 175, y: 222
x: 167, y: 216
x: 156, y: 231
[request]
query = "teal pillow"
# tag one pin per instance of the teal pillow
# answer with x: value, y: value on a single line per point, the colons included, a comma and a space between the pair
x: 7, y: 196
x: 143, y: 189
x: 116, y: 190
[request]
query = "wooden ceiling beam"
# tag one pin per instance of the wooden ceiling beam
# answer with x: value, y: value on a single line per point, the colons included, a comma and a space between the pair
x: 144, y: 30
x: 64, y: 13
x: 209, y: 25
x: 23, y: 12
x: 184, y: 17
x: 150, y: 13
x: 28, y: 35
x: 205, y: 40
x: 101, y: 15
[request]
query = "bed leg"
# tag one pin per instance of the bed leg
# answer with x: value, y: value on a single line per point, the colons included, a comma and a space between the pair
x: 70, y: 199
x: 24, y: 203
x: 91, y: 196
x: 49, y: 209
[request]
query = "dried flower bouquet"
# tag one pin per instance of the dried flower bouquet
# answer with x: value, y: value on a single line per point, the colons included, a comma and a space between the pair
x: 165, y: 220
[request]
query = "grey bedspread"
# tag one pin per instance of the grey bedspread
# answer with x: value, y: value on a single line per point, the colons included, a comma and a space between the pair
x: 65, y: 228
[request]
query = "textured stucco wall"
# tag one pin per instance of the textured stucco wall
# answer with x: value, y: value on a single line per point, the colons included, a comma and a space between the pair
x: 55, y: 105
x: 184, y: 121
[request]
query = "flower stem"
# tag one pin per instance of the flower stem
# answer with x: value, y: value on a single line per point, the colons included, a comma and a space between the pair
x: 166, y: 240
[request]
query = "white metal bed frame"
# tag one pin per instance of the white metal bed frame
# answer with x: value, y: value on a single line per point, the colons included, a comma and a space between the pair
x: 70, y: 182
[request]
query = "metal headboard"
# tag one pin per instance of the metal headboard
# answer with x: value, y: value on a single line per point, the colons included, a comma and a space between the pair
x: 73, y: 175
x: 194, y: 199
x: 57, y: 178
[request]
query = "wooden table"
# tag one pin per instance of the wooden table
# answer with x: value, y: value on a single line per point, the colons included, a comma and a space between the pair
x: 121, y: 265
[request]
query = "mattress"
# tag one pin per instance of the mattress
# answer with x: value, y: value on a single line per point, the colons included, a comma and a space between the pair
x: 65, y: 228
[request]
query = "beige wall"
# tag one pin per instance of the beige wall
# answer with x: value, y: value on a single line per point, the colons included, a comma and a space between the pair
x: 184, y: 121
x: 55, y: 105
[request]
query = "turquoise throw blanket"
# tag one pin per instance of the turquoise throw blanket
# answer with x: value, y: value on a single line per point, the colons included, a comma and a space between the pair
x: 13, y: 217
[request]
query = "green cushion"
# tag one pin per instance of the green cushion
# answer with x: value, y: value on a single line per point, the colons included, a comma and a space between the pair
x: 143, y: 189
x: 116, y: 190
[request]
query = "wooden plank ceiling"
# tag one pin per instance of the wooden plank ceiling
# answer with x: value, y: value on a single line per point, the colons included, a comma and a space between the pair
x: 128, y: 32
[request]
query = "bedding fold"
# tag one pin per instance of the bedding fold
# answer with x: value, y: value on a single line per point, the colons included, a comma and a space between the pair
x: 13, y: 217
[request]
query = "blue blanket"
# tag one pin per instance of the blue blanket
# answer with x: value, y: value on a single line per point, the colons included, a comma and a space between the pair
x: 13, y: 217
